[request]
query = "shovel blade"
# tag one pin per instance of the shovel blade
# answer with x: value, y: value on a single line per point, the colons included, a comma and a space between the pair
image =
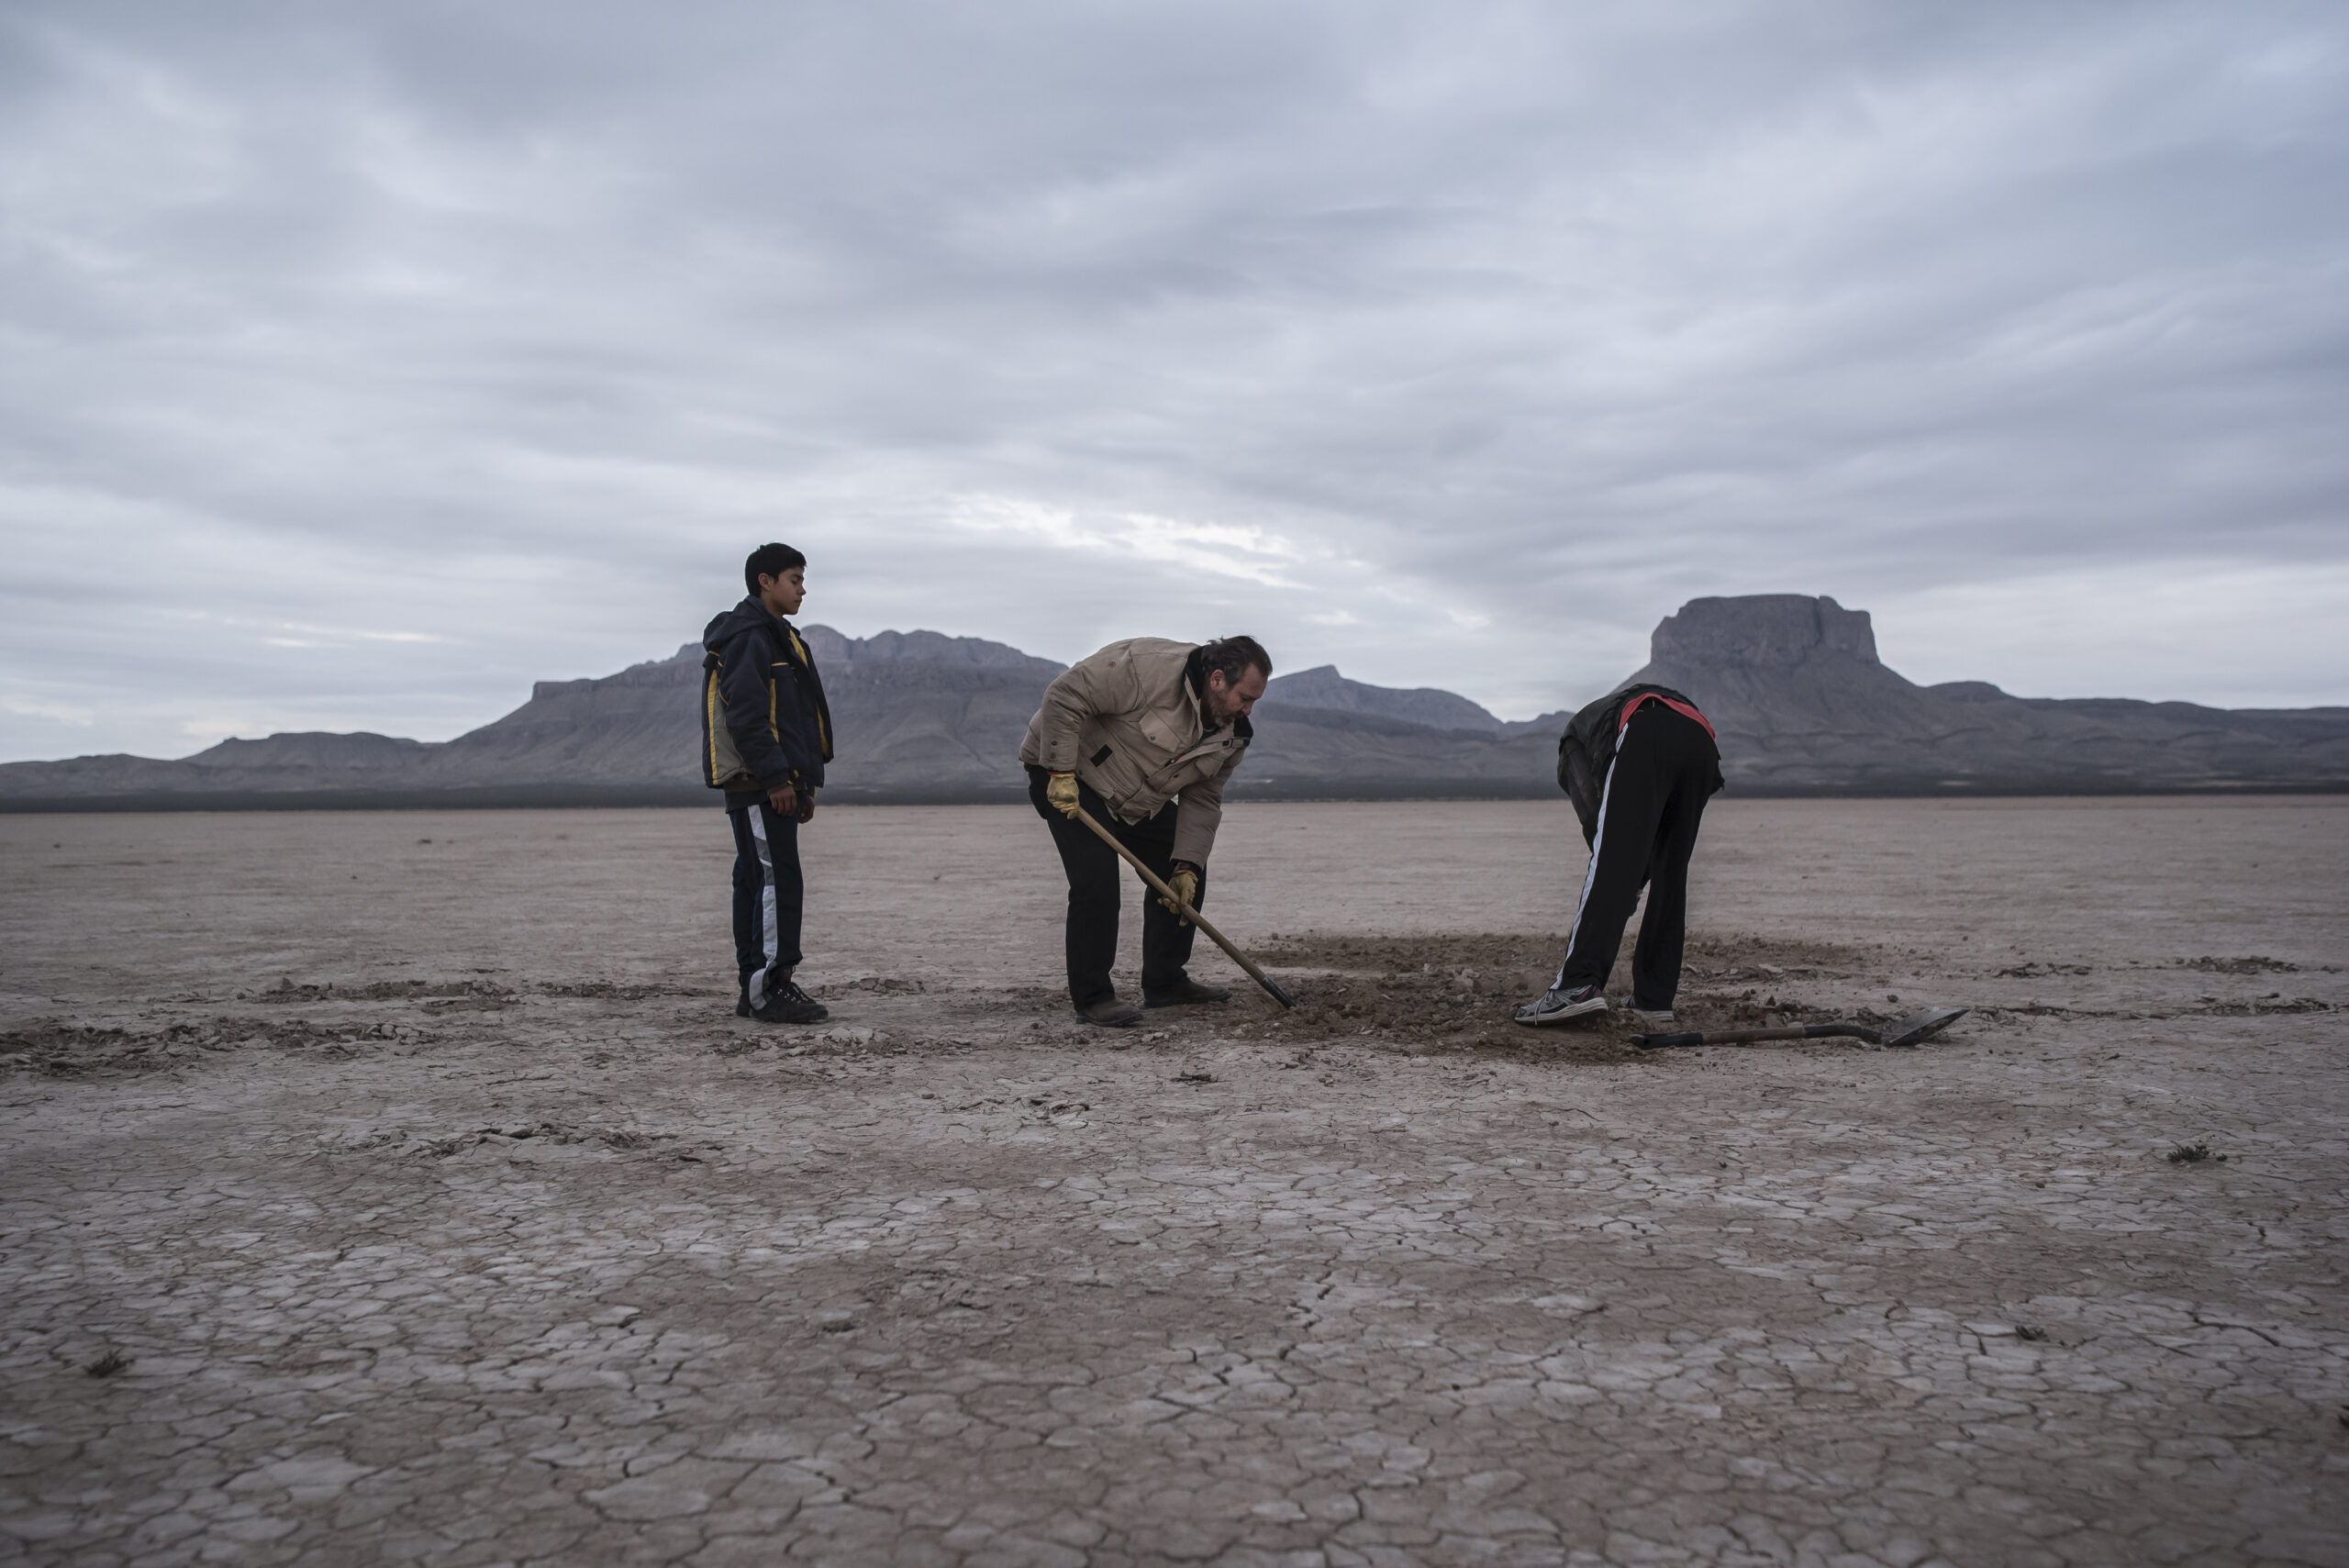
x: 1919, y: 1027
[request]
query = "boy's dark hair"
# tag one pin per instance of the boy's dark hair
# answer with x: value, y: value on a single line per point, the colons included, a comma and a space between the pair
x: 1233, y: 656
x: 769, y: 561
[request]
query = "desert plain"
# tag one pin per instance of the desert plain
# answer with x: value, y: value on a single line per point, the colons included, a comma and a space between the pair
x: 399, y: 1187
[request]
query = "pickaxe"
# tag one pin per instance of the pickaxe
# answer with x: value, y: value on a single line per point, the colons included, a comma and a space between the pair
x: 1185, y: 910
x: 1913, y: 1030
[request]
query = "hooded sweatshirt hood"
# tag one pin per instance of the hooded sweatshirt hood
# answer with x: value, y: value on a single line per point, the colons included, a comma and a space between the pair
x: 727, y: 625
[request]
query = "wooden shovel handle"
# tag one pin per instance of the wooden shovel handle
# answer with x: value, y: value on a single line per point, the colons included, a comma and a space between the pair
x: 1748, y: 1037
x: 1151, y: 877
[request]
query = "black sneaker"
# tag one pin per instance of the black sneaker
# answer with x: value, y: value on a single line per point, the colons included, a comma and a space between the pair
x: 1555, y: 1006
x: 788, y: 1006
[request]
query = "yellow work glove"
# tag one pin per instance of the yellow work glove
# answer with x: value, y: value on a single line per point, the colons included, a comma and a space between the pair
x: 1059, y: 794
x: 1185, y: 884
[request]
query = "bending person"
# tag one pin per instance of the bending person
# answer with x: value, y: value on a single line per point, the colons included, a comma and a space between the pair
x: 1639, y: 766
x: 1142, y: 736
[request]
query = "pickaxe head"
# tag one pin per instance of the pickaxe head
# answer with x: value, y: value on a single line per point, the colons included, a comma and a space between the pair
x: 1920, y: 1027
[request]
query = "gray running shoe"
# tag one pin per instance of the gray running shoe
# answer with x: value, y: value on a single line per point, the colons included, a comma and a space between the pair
x: 1555, y: 1006
x: 1653, y: 1018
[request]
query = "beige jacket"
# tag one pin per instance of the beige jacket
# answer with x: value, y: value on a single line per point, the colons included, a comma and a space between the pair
x: 1127, y: 725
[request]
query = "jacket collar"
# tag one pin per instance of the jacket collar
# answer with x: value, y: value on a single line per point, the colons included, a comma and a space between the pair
x: 1194, y: 682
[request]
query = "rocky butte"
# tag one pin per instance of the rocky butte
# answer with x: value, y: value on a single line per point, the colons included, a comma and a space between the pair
x: 1803, y: 705
x: 1793, y: 683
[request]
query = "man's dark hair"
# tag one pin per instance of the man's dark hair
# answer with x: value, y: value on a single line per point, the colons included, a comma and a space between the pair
x: 1233, y: 655
x: 769, y: 561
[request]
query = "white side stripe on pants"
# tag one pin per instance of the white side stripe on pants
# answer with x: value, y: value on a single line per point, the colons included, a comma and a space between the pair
x: 771, y: 938
x: 1597, y: 842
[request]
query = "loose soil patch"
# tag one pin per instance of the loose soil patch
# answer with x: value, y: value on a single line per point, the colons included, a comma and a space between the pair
x: 383, y: 991
x: 84, y: 1050
x: 1457, y: 992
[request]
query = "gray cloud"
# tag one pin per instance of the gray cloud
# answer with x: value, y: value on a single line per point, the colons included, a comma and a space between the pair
x: 362, y: 364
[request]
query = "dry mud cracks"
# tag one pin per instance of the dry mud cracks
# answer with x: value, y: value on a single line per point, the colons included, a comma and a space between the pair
x: 460, y: 1222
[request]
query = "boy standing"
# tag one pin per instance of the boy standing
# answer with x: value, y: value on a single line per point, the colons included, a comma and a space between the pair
x: 767, y: 735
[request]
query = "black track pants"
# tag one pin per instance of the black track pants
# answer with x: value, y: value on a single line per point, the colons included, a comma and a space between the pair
x: 767, y: 893
x: 1094, y: 887
x: 1662, y: 773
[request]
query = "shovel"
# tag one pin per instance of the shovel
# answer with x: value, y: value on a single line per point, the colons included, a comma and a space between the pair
x: 1150, y: 876
x: 1915, y: 1029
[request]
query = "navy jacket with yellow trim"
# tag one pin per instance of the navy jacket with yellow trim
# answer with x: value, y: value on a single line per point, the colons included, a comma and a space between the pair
x: 764, y: 722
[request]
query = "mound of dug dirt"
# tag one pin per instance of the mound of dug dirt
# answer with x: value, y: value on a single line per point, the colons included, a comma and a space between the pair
x: 1425, y: 995
x: 1432, y: 994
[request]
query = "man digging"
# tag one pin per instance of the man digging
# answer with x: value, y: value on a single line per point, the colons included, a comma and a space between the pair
x: 1639, y: 766
x: 766, y: 734
x: 1142, y: 736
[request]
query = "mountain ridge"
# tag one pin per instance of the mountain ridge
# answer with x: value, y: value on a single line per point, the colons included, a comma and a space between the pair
x: 1323, y: 689
x: 1793, y: 684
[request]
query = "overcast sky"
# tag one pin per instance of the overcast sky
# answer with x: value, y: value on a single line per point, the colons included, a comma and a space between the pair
x: 361, y: 364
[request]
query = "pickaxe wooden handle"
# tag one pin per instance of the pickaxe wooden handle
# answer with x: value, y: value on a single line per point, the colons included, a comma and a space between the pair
x: 1150, y: 876
x: 1750, y: 1037
x: 1914, y: 1029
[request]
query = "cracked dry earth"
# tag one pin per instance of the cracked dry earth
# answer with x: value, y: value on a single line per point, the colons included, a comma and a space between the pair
x: 399, y: 1189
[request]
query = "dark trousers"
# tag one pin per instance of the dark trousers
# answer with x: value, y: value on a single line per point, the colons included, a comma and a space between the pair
x: 1656, y: 789
x: 1093, y: 892
x: 767, y: 893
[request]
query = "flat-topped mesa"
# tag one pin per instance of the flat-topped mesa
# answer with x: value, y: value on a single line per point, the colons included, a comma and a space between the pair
x: 313, y: 749
x: 1778, y: 629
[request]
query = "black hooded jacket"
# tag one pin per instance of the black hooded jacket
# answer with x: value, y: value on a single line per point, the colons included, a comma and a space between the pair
x: 1588, y: 748
x: 764, y: 722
